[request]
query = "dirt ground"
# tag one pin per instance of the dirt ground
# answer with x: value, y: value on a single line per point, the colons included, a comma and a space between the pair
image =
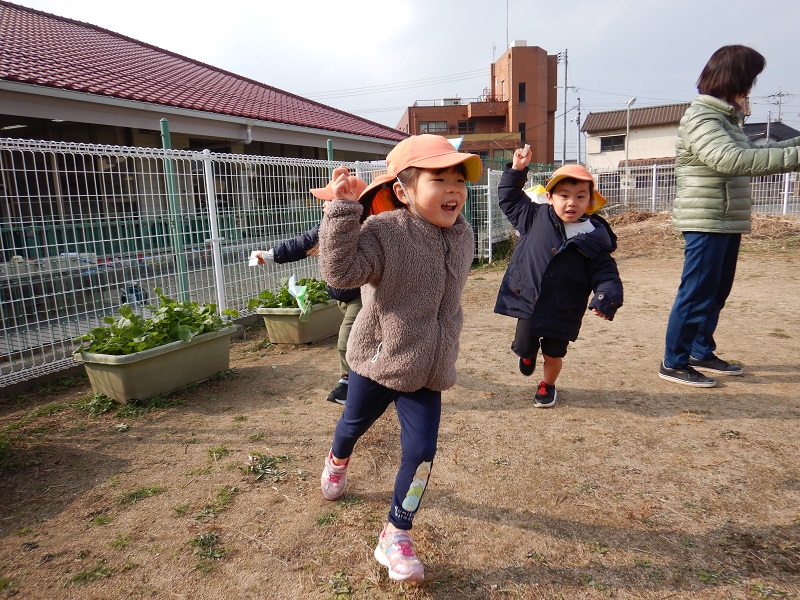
x: 631, y: 487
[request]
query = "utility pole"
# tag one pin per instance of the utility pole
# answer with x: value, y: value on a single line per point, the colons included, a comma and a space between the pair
x: 778, y: 100
x: 769, y: 120
x: 564, y: 146
x: 578, y: 123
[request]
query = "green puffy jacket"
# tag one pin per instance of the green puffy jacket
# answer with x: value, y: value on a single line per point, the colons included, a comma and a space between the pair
x: 713, y: 166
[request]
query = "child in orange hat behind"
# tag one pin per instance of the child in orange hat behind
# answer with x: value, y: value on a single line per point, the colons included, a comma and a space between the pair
x: 348, y: 300
x: 562, y: 255
x: 411, y: 263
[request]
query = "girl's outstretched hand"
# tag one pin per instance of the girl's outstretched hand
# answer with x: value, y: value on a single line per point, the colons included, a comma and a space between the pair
x: 342, y: 190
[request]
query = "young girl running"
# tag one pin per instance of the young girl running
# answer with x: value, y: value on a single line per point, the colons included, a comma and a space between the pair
x: 412, y: 264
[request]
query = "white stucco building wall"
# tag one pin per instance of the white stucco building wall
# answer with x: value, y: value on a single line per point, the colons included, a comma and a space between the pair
x: 644, y: 142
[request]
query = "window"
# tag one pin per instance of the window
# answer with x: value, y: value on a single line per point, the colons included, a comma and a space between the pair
x: 612, y: 142
x: 466, y: 127
x: 522, y: 93
x: 433, y: 127
x: 522, y: 129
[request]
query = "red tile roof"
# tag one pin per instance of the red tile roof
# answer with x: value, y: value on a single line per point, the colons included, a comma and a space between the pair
x: 666, y: 114
x: 44, y: 49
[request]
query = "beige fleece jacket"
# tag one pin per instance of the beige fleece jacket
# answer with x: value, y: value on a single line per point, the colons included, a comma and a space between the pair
x: 411, y: 275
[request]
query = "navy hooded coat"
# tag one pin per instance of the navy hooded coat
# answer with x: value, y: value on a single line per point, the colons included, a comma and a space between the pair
x: 549, y: 278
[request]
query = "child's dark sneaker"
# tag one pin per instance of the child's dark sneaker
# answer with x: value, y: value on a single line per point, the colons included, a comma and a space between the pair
x: 334, y: 478
x: 686, y: 376
x: 545, y: 396
x: 339, y: 393
x: 527, y: 365
x: 395, y: 551
x: 716, y: 365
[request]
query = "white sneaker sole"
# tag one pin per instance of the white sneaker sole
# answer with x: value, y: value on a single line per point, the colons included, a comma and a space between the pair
x: 538, y: 404
x: 381, y: 558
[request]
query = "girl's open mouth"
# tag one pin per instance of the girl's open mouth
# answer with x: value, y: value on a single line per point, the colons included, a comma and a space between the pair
x: 449, y: 206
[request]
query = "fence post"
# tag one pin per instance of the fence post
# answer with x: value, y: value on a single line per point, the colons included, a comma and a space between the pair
x: 213, y: 219
x: 787, y: 186
x: 489, y: 180
x: 176, y: 221
x: 655, y: 188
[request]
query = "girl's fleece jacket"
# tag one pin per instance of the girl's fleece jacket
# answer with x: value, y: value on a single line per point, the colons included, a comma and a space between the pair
x: 412, y: 274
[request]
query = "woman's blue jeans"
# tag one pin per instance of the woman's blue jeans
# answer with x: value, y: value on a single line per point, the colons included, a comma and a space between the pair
x: 709, y: 266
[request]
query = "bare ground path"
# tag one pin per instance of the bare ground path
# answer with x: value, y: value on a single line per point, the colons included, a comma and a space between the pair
x: 631, y: 487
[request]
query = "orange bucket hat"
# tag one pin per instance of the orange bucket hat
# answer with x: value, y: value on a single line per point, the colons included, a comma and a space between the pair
x: 425, y: 151
x: 582, y: 174
x: 357, y: 184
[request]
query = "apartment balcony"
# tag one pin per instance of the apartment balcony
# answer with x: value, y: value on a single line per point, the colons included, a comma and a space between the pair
x: 482, y: 110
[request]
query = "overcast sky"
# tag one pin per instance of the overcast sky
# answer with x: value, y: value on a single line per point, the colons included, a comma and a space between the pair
x: 374, y: 58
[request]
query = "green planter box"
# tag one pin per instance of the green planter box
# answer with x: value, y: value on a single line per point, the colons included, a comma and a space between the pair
x: 161, y: 370
x: 285, y: 327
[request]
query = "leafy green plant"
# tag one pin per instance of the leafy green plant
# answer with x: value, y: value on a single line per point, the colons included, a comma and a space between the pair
x: 708, y: 577
x: 137, y: 408
x: 266, y: 467
x: 218, y: 453
x: 206, y: 545
x: 316, y: 293
x: 171, y: 321
x: 223, y: 499
x: 135, y: 496
x: 339, y: 586
x: 99, y: 571
x: 326, y: 519
x: 121, y: 541
x: 96, y: 405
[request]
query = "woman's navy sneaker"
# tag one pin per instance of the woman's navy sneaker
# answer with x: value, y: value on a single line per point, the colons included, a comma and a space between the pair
x: 716, y: 365
x: 686, y: 376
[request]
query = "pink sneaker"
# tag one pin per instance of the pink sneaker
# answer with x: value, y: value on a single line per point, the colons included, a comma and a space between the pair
x: 334, y: 478
x: 395, y: 550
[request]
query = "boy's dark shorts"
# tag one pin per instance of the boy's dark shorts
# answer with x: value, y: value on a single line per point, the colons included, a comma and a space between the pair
x: 527, y: 344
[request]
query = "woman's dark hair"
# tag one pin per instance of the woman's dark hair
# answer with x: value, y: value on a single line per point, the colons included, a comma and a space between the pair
x: 731, y: 71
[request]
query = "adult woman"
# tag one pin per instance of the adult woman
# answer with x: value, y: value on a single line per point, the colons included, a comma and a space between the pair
x: 713, y: 165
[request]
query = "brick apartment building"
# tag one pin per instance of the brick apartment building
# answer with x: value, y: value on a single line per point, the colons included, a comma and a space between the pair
x: 518, y: 108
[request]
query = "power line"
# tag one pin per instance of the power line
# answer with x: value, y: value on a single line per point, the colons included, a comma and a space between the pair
x: 414, y: 83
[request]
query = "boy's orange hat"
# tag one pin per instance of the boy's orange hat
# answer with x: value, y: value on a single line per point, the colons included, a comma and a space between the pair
x: 357, y: 184
x: 426, y: 151
x: 582, y: 174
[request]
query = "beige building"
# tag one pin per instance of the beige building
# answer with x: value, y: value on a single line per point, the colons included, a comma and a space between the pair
x: 653, y: 131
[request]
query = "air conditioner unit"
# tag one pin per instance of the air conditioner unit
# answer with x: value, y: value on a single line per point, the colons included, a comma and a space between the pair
x: 451, y: 102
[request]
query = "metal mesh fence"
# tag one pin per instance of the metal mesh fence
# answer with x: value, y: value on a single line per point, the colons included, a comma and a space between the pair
x: 85, y: 228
